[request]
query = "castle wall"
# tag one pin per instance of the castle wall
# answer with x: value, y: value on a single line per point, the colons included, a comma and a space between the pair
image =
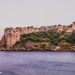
x: 65, y: 28
x: 69, y: 30
x: 60, y: 28
x: 36, y: 30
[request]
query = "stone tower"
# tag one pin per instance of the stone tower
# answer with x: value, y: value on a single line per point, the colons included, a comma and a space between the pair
x: 60, y: 28
x: 11, y: 35
x: 73, y: 25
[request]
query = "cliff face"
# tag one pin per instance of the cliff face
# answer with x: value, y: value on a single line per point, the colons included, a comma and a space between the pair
x: 3, y: 41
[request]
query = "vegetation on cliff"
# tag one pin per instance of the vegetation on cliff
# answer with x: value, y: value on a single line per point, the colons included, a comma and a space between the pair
x: 47, y: 40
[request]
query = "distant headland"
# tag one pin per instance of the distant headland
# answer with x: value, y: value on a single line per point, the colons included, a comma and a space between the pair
x: 45, y: 38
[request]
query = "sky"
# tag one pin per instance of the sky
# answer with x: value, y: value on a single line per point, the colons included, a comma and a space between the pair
x: 23, y: 13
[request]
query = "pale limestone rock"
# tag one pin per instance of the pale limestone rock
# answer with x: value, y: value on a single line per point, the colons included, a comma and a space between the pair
x: 2, y: 48
x: 57, y: 48
x: 3, y: 41
x: 8, y: 48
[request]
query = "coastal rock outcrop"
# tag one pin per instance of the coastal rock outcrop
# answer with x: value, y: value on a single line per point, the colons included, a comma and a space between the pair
x: 3, y: 41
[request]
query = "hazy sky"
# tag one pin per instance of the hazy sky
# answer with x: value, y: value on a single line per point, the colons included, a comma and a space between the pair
x: 21, y: 13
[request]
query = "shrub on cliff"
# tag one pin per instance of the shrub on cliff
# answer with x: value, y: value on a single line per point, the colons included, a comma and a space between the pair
x: 34, y: 38
x: 71, y: 39
x: 18, y: 42
x: 51, y: 36
x: 43, y: 46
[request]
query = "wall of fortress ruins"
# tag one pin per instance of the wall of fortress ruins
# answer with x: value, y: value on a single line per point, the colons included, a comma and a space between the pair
x: 13, y: 34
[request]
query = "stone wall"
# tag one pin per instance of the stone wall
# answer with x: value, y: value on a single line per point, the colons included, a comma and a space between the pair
x: 60, y: 28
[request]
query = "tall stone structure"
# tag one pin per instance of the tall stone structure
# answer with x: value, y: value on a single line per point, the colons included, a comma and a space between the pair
x: 60, y: 28
x: 73, y: 25
x: 11, y: 35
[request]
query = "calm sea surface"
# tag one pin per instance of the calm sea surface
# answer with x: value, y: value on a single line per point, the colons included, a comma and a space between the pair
x: 37, y: 63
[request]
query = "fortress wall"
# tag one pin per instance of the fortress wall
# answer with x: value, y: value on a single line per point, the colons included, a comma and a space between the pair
x: 31, y: 30
x: 69, y: 30
x: 60, y: 28
x: 37, y: 30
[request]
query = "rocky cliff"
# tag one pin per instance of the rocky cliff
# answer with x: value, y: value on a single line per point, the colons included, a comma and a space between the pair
x: 3, y: 41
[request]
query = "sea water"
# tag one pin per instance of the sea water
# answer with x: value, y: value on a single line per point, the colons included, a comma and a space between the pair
x: 37, y: 63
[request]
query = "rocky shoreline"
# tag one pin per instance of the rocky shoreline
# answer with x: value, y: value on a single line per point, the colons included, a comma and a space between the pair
x: 57, y: 48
